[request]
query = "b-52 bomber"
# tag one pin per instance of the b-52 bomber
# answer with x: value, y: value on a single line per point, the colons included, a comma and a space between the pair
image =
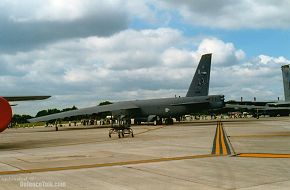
x: 196, y: 100
x: 271, y: 108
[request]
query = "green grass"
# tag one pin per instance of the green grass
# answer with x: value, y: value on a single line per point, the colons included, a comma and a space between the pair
x: 29, y: 125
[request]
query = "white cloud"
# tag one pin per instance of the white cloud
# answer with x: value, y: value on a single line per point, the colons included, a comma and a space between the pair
x: 55, y: 10
x: 135, y: 64
x: 224, y: 53
x: 26, y: 25
x: 174, y: 57
x: 267, y: 60
x: 229, y: 14
x: 83, y: 52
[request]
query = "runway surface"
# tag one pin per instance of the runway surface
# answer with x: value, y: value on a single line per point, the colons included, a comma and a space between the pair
x: 234, y: 154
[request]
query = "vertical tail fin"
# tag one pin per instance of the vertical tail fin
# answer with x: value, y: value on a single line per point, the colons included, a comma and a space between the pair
x: 286, y: 81
x: 200, y: 82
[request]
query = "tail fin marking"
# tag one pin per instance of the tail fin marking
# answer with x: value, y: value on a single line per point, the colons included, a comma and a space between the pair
x: 200, y: 82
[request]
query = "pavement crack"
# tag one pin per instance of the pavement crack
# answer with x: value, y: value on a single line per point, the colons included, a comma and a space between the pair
x: 12, y: 166
x: 164, y: 175
x: 267, y: 183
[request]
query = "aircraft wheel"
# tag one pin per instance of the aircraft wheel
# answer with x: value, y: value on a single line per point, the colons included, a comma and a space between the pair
x: 131, y: 132
x: 137, y: 122
x: 110, y: 132
x: 159, y: 121
x: 169, y: 121
x: 166, y: 122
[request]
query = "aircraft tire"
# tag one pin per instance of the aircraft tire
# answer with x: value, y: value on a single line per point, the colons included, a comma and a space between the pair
x: 169, y: 121
x: 137, y: 122
x: 159, y: 122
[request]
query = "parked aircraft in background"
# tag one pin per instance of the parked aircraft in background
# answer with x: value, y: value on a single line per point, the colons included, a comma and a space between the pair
x: 272, y: 108
x: 196, y: 99
x: 6, y: 111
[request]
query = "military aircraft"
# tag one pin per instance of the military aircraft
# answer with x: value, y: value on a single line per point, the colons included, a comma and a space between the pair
x: 6, y: 111
x: 272, y: 108
x: 196, y: 99
x: 24, y: 98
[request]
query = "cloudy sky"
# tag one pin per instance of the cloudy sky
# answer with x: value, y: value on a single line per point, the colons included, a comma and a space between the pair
x: 83, y: 52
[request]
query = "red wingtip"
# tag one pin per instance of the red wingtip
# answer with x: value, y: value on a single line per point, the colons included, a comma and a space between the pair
x: 5, y: 114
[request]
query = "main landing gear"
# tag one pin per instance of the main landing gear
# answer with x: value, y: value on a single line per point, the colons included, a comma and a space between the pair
x: 169, y: 121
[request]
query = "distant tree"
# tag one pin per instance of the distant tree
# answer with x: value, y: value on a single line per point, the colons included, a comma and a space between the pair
x: 105, y: 103
x: 41, y: 113
x: 53, y: 111
x: 47, y: 112
x: 69, y: 109
x: 232, y: 101
x: 104, y: 114
x: 20, y: 118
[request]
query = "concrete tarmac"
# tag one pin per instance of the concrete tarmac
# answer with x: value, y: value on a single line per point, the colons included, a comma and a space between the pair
x: 158, y: 157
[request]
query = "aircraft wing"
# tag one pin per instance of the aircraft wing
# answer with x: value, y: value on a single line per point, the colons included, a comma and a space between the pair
x: 24, y: 98
x: 246, y: 107
x: 249, y: 103
x: 254, y: 108
x: 190, y: 103
x: 88, y: 111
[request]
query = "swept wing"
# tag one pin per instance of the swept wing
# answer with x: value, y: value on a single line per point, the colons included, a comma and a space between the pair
x: 24, y: 98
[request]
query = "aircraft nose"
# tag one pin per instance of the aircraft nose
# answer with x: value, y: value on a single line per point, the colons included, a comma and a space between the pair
x: 221, y: 101
x: 222, y: 98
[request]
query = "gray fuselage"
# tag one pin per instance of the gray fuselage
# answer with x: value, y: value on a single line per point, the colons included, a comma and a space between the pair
x: 172, y: 107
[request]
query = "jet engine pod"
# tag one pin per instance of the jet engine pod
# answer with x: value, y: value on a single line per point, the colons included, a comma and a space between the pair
x: 5, y: 114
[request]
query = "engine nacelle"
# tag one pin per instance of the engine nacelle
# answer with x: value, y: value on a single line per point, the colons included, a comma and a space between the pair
x: 5, y: 114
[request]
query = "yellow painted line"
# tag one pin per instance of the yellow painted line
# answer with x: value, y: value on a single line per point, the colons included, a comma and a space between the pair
x: 221, y: 144
x: 224, y: 148
x: 263, y: 155
x: 217, y: 142
x: 105, y: 164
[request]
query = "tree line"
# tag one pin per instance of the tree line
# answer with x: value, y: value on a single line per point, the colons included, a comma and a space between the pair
x: 20, y: 119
